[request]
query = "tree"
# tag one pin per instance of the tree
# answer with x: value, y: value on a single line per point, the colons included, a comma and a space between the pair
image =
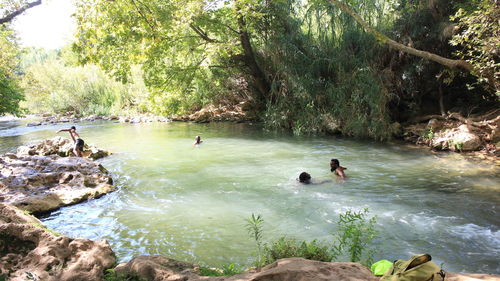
x: 450, y: 63
x: 181, y: 44
x: 10, y: 95
x: 479, y: 40
x: 11, y: 9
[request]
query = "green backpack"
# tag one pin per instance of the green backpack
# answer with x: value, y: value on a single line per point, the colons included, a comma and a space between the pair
x: 418, y: 268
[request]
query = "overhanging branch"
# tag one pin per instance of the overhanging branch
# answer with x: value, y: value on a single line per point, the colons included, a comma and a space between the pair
x: 16, y: 13
x: 453, y: 64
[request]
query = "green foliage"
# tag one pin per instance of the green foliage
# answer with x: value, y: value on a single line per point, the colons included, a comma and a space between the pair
x: 353, y: 240
x: 288, y: 247
x: 10, y: 93
x: 254, y: 228
x: 355, y: 235
x: 52, y: 86
x: 226, y: 270
x: 479, y: 40
x: 3, y: 277
x: 428, y: 134
x: 455, y: 146
x: 111, y: 275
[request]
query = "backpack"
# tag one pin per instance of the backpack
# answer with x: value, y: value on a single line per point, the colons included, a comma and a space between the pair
x: 418, y: 268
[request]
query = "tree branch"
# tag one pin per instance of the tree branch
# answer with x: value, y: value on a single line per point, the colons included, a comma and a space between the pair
x: 202, y: 34
x: 453, y: 64
x: 16, y: 13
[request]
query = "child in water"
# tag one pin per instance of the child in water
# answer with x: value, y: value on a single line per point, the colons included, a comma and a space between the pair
x: 197, y: 141
x: 337, y: 169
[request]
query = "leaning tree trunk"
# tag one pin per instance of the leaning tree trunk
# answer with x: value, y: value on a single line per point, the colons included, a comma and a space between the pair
x: 453, y: 64
x: 261, y: 82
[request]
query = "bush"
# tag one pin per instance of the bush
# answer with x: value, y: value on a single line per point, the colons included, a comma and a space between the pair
x: 286, y: 247
x: 355, y: 235
x: 353, y: 239
x: 52, y: 86
x: 226, y: 270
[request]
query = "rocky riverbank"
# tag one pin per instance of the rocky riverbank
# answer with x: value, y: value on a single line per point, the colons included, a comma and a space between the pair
x: 456, y: 133
x: 72, y: 118
x: 40, y: 178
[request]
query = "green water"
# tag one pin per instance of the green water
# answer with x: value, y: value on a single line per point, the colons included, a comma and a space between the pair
x: 189, y: 203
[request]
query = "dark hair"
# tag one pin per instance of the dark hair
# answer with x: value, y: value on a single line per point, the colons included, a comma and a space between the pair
x: 334, y: 164
x: 73, y: 127
x: 304, y: 177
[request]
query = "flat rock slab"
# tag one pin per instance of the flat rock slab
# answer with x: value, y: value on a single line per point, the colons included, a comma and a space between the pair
x: 44, y: 183
x: 30, y: 252
x: 62, y: 147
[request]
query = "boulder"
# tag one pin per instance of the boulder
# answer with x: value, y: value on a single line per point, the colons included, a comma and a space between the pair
x: 30, y: 252
x: 450, y: 276
x: 44, y: 183
x: 11, y: 214
x: 158, y: 268
x: 461, y: 138
x: 62, y: 147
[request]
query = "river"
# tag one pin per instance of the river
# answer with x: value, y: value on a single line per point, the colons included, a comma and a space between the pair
x: 190, y: 203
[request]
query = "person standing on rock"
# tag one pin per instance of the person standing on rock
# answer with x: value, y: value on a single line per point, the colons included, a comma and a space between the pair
x: 78, y: 149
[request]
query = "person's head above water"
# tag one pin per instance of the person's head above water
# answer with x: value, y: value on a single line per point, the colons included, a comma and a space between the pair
x: 197, y: 139
x: 334, y: 164
x: 304, y: 177
x: 73, y: 128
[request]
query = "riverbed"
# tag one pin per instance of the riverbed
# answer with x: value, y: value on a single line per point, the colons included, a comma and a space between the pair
x: 190, y: 203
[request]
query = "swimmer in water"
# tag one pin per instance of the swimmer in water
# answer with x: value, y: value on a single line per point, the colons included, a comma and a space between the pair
x: 337, y: 169
x: 197, y: 141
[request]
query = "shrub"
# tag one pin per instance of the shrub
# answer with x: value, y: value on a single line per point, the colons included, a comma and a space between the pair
x: 286, y: 247
x: 355, y: 235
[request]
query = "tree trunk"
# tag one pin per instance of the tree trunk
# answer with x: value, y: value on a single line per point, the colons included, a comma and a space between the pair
x: 11, y: 16
x: 453, y: 64
x: 261, y: 82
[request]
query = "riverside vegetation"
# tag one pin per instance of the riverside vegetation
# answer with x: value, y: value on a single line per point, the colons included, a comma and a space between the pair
x: 306, y: 66
x: 353, y: 239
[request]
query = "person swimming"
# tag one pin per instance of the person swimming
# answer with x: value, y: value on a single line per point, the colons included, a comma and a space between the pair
x: 79, y: 143
x: 337, y: 169
x: 197, y: 141
x: 305, y: 178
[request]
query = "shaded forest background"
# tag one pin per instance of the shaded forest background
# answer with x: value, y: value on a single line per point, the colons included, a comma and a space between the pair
x: 301, y: 65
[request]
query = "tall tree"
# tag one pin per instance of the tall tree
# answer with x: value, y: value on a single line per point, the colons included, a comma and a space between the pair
x: 179, y: 43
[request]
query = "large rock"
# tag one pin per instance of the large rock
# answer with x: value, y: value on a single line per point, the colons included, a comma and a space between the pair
x: 30, y: 252
x: 461, y: 138
x: 62, y: 147
x: 450, y: 276
x: 158, y: 268
x: 44, y: 183
x: 11, y: 214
